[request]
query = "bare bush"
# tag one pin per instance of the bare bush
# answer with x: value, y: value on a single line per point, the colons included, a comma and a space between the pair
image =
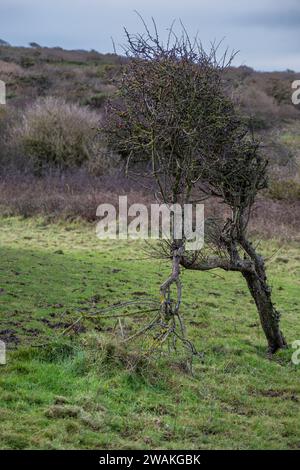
x: 262, y: 108
x: 55, y: 133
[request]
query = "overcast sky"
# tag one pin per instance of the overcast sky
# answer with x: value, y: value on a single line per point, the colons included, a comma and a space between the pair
x: 265, y: 31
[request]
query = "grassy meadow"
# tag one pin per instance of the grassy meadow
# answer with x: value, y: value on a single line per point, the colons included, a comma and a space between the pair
x: 71, y: 384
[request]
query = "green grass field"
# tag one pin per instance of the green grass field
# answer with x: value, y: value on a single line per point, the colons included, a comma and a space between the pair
x: 81, y: 391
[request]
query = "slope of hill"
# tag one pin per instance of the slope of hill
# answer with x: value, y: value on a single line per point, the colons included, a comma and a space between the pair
x: 86, y: 78
x: 75, y: 75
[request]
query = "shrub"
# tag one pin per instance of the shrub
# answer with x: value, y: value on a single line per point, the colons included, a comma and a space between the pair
x: 54, y: 133
x: 285, y: 190
x: 262, y: 108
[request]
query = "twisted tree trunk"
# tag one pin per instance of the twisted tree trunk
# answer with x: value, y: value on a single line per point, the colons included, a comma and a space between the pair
x: 252, y: 268
x: 261, y: 292
x: 269, y: 316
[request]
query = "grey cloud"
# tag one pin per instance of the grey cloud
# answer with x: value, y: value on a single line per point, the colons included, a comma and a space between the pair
x: 284, y: 18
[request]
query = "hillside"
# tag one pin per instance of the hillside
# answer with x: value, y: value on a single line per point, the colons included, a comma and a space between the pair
x: 75, y: 75
x: 84, y: 76
x: 85, y: 79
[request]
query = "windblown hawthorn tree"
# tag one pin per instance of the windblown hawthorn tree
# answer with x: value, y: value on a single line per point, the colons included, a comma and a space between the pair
x: 174, y: 119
